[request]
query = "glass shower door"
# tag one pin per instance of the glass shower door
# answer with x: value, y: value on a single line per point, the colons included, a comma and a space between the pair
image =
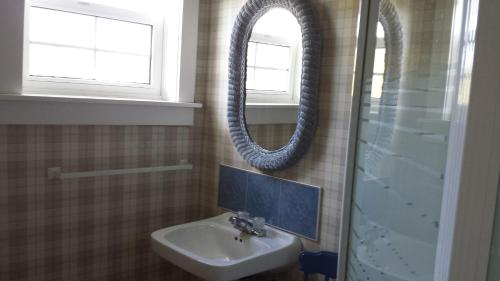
x: 401, y: 145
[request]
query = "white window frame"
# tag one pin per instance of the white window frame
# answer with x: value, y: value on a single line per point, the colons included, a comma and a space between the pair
x: 82, y: 87
x: 293, y: 94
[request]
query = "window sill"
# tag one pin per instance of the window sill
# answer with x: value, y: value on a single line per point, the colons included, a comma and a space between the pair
x: 272, y: 105
x: 79, y: 110
x: 271, y: 113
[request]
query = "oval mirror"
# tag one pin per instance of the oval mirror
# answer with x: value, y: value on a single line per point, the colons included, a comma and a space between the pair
x: 273, y: 81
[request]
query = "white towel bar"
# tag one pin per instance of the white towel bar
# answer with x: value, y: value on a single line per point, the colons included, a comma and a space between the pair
x: 55, y: 173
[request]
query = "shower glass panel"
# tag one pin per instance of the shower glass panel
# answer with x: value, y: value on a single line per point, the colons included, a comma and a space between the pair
x: 401, y: 146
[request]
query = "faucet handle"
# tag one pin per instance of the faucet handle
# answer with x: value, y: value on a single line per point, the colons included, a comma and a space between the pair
x: 243, y: 215
x: 258, y: 222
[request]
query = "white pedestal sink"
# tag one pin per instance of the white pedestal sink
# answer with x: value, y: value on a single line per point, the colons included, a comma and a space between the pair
x: 212, y: 250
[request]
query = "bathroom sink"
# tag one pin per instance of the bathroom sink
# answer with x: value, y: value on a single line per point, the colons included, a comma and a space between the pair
x: 212, y: 249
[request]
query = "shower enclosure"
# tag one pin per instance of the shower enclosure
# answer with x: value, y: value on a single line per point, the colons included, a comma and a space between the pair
x: 414, y: 62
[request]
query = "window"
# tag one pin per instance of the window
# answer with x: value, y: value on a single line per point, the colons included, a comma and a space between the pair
x: 88, y: 47
x: 96, y: 47
x: 268, y: 67
x: 378, y: 69
x: 273, y: 56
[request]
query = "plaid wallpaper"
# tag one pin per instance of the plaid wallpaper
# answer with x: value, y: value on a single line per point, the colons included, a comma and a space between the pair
x: 324, y: 164
x: 98, y: 228
x: 94, y: 228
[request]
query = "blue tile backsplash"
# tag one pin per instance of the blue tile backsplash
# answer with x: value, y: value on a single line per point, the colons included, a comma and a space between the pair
x: 285, y: 204
x: 262, y: 201
x: 232, y: 188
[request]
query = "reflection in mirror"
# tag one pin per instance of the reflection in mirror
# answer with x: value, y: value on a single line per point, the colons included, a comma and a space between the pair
x: 383, y: 96
x: 274, y: 59
x: 272, y: 136
x: 378, y: 69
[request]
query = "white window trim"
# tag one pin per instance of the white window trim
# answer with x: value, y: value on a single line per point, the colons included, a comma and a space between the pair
x: 293, y: 95
x: 271, y: 113
x: 82, y: 87
x: 471, y: 182
x: 73, y: 110
x: 180, y: 53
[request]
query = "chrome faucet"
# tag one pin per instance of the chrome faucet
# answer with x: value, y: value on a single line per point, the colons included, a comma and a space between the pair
x: 247, y: 225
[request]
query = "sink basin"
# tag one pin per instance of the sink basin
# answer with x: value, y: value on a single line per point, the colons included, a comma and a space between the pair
x: 212, y: 250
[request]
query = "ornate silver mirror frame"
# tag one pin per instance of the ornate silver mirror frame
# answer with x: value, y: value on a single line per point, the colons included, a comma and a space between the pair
x: 307, y: 114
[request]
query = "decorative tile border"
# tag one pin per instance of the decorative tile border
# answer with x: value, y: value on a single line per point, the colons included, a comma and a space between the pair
x: 285, y: 204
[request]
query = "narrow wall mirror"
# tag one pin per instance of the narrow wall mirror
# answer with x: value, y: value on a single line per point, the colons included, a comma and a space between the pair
x: 273, y: 82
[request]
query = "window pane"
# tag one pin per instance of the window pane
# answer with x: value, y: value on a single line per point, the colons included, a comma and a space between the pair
x: 70, y: 45
x: 271, y: 80
x: 56, y: 27
x: 122, y: 68
x: 380, y: 30
x: 251, y: 54
x: 273, y: 56
x: 121, y: 36
x: 377, y: 83
x: 250, y: 78
x: 379, y: 63
x: 64, y: 62
x: 278, y: 22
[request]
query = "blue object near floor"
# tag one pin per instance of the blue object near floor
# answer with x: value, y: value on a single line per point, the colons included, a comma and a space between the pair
x: 319, y: 262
